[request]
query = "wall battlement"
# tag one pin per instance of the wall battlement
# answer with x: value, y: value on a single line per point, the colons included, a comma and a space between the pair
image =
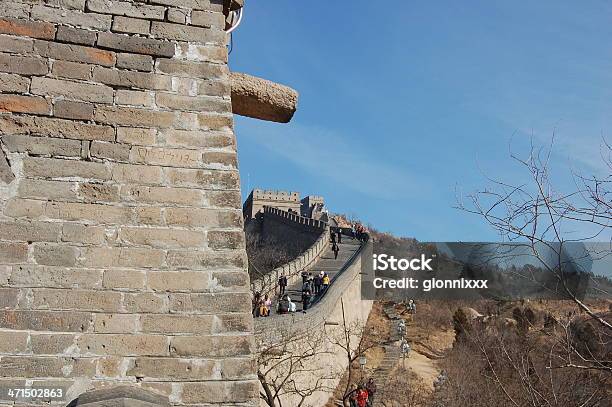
x: 122, y: 256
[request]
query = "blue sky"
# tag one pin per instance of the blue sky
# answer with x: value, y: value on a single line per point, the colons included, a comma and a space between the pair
x: 401, y: 106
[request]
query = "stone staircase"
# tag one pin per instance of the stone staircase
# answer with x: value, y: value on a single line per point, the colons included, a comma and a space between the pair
x: 392, y: 351
x: 326, y: 263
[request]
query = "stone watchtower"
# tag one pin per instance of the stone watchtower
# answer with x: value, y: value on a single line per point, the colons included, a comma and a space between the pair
x: 122, y: 256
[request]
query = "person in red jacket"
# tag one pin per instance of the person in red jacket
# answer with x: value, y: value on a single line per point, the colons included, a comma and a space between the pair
x: 362, y: 396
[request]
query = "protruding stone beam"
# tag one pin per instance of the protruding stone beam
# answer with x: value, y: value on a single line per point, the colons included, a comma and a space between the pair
x: 262, y: 99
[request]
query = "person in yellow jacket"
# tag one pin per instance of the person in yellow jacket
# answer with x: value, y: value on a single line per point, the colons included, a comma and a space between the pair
x: 326, y: 281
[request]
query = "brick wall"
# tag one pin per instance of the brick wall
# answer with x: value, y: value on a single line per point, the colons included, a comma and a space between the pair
x: 121, y: 245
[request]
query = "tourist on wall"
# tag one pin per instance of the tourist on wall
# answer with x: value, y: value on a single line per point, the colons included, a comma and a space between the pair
x: 306, y: 295
x: 282, y: 283
x: 255, y: 303
x: 318, y: 282
x: 332, y: 237
x: 339, y: 235
x: 335, y: 249
x: 326, y: 282
x: 304, y: 276
x: 371, y: 389
x: 362, y: 396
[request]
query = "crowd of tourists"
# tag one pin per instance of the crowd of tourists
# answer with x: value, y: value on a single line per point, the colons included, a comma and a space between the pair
x: 362, y: 395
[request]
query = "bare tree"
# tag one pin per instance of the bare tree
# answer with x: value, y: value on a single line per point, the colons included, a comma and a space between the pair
x: 354, y: 342
x: 290, y: 368
x: 536, y: 215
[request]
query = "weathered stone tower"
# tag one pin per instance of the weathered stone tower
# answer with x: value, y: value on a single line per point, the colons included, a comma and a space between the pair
x: 121, y: 246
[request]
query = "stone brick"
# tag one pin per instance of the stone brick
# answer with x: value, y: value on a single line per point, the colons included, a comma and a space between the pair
x: 208, y: 19
x: 229, y: 280
x: 54, y: 127
x: 135, y: 61
x: 133, y: 116
x: 178, y: 102
x: 23, y: 65
x: 122, y: 257
x: 220, y: 159
x: 31, y: 275
x: 18, y: 208
x: 57, y: 168
x: 162, y: 195
x: 9, y: 297
x: 178, y: 15
x: 126, y: 8
x: 6, y: 173
x: 212, y: 121
x: 74, y: 53
x: 137, y: 45
x: 161, y: 238
x: 14, y: 10
x: 110, y: 366
x: 214, y: 88
x: 18, y: 45
x: 88, y: 212
x: 55, y: 321
x: 182, y: 32
x: 51, y: 190
x: 76, y: 299
x: 75, y: 35
x: 179, y: 369
x: 134, y: 98
x: 84, y: 234
x: 219, y: 392
x: 33, y: 366
x: 13, y: 342
x: 210, y: 303
x: 69, y: 4
x: 95, y: 192
x: 52, y: 344
x: 198, y: 217
x: 214, y: 5
x: 202, y: 53
x: 115, y: 323
x: 177, y: 324
x: 13, y: 83
x: 196, y: 139
x: 178, y: 281
x: 222, y: 239
x: 34, y: 29
x: 121, y: 344
x: 111, y: 151
x: 131, y: 25
x: 148, y: 216
x: 131, y: 135
x: 223, y: 199
x: 30, y: 231
x: 211, y: 346
x: 205, y: 260
x: 55, y: 255
x: 191, y: 69
x: 24, y: 104
x: 13, y: 253
x: 145, y: 303
x: 132, y: 79
x: 72, y: 90
x: 209, y: 179
x: 73, y: 110
x: 124, y: 279
x: 138, y: 174
x: 172, y: 157
x: 72, y: 70
x: 74, y: 18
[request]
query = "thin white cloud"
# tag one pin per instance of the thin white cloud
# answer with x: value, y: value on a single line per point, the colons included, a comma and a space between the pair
x: 329, y: 155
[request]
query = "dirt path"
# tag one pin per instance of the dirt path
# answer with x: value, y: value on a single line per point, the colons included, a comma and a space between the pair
x: 424, y: 367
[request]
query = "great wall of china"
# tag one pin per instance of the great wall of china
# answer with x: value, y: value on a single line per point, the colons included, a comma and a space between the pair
x: 123, y: 271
